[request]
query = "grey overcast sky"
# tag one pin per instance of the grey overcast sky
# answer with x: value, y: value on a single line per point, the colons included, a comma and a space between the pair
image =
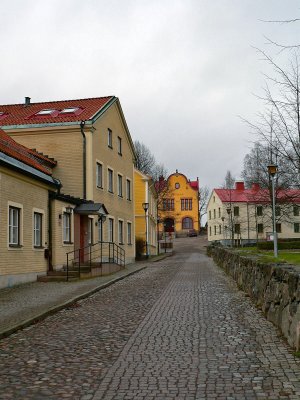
x: 183, y: 69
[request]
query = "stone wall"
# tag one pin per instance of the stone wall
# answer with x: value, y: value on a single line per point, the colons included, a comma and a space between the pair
x: 274, y: 288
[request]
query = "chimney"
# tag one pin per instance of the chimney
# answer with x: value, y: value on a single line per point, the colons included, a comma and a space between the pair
x: 161, y: 178
x: 255, y: 186
x: 27, y: 101
x: 239, y: 185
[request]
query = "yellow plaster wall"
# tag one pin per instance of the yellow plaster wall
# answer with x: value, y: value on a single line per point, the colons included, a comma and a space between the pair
x: 185, y: 191
x: 30, y: 195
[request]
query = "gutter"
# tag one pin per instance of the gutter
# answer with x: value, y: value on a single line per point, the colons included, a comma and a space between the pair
x: 82, y: 124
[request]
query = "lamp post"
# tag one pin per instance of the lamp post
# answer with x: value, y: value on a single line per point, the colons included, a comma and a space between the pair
x: 101, y: 219
x: 272, y: 170
x: 145, y: 207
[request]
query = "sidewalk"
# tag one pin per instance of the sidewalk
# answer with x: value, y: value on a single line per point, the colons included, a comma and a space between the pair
x: 22, y: 305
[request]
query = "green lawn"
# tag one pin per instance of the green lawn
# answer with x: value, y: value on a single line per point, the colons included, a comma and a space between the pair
x: 290, y: 257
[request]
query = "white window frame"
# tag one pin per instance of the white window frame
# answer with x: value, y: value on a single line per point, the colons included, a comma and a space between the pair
x: 111, y: 232
x: 128, y: 192
x: 43, y: 228
x: 129, y: 237
x: 100, y: 231
x: 19, y: 207
x: 109, y: 138
x: 112, y: 180
x: 120, y: 185
x: 67, y: 228
x: 90, y: 230
x: 99, y: 164
x: 120, y: 231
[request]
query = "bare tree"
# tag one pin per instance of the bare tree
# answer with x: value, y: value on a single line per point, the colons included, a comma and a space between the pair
x: 204, y: 193
x: 145, y: 160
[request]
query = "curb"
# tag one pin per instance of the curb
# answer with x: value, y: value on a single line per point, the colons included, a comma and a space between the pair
x: 53, y: 310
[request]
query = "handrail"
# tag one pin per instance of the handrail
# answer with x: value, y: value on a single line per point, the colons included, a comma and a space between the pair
x: 98, y: 253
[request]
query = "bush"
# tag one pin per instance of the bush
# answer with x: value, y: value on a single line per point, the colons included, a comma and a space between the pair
x: 281, y: 245
x: 139, y: 247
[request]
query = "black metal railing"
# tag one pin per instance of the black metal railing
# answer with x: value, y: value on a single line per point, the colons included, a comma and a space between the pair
x: 94, y: 255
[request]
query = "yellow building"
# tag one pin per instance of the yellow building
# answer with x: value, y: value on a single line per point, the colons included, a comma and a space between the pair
x: 91, y: 143
x: 178, y: 205
x: 145, y: 211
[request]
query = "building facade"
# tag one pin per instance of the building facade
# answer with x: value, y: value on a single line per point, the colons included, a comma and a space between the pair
x: 145, y: 220
x: 178, y: 205
x: 240, y: 216
x: 25, y: 183
x: 93, y: 149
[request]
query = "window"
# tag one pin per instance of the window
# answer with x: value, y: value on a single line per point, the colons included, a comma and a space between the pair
x: 219, y: 212
x: 46, y: 112
x: 214, y: 199
x: 14, y: 226
x: 187, y: 223
x: 259, y: 211
x: 168, y: 204
x: 186, y: 204
x: 278, y: 228
x: 109, y: 138
x: 119, y: 146
x: 277, y: 211
x: 260, y: 228
x: 120, y: 185
x: 177, y: 185
x: 215, y: 229
x: 209, y: 213
x: 90, y: 231
x: 236, y: 211
x: 120, y: 232
x: 110, y: 180
x: 220, y: 229
x: 129, y: 234
x: 100, y: 230
x: 214, y: 214
x: 296, y: 211
x: 99, y: 175
x: 210, y: 231
x: 237, y: 228
x: 37, y: 230
x: 69, y: 110
x: 66, y: 227
x: 296, y: 227
x: 128, y: 189
x: 110, y: 230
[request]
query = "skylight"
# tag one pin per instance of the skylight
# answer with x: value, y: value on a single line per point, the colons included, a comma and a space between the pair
x: 45, y: 112
x: 69, y: 110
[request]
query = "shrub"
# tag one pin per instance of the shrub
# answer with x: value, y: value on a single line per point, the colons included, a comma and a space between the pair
x: 281, y: 245
x: 139, y: 247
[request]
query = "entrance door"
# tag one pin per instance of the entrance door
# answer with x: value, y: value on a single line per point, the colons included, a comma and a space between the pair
x: 169, y: 225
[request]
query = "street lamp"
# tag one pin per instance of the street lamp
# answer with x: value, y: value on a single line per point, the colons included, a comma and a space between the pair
x: 272, y: 170
x: 145, y: 207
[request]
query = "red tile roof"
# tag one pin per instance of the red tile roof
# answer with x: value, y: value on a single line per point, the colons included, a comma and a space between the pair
x: 13, y: 149
x: 21, y: 114
x: 257, y: 195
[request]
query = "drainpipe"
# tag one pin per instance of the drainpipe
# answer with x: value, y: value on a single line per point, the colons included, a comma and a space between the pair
x: 82, y: 124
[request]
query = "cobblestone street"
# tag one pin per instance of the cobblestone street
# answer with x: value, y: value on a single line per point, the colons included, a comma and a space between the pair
x: 178, y: 329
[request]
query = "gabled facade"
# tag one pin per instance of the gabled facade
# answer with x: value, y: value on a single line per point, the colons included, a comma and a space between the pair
x: 178, y: 204
x: 240, y: 216
x: 25, y: 182
x: 145, y: 222
x: 91, y: 143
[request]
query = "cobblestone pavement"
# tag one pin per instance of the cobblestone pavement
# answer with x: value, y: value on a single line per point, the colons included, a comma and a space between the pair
x: 177, y: 330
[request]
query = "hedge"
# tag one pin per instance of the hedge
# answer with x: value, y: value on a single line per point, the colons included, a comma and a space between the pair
x: 281, y: 245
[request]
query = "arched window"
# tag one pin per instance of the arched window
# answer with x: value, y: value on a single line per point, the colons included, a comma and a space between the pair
x: 187, y: 223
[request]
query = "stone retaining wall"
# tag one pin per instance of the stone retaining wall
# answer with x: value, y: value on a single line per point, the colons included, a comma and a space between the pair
x: 274, y: 288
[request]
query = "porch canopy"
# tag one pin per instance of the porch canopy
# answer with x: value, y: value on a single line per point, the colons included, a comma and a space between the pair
x: 91, y: 209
